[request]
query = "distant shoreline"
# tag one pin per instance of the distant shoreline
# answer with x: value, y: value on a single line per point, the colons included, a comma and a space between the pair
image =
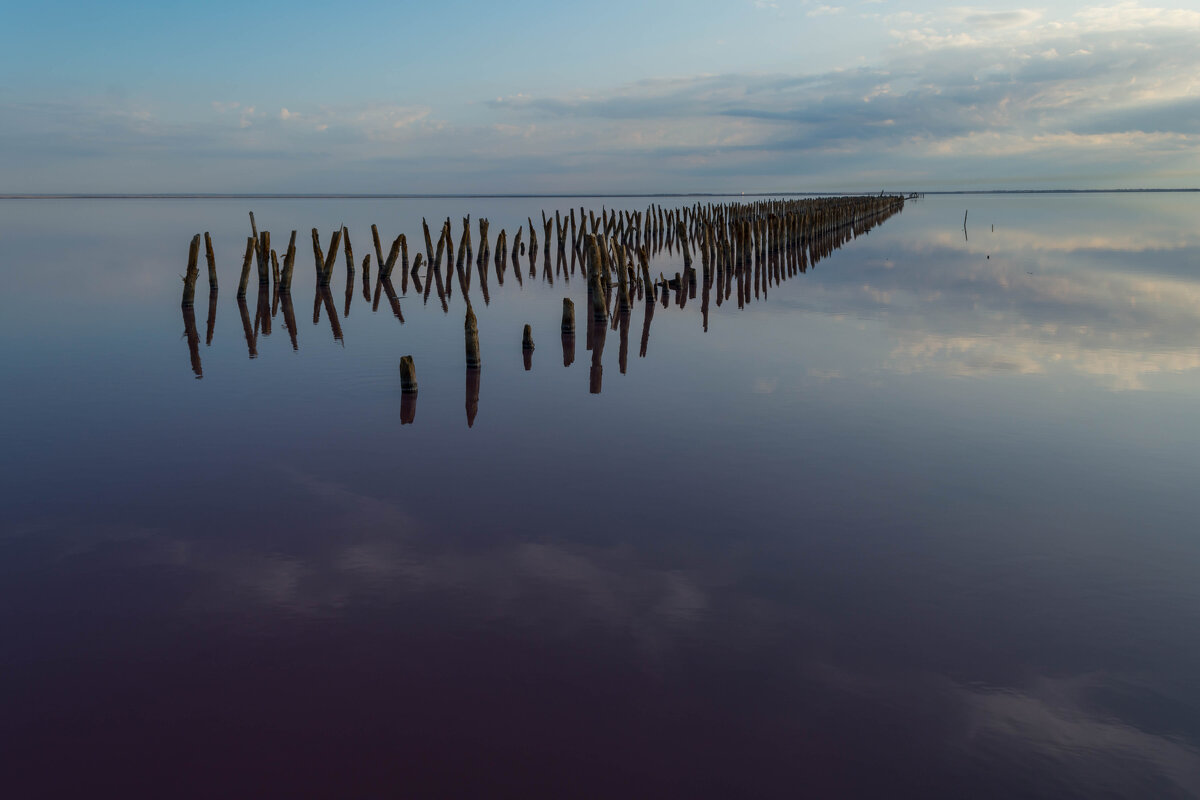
x: 323, y: 196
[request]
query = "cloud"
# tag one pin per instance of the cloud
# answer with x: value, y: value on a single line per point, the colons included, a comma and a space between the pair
x: 1002, y: 19
x: 964, y: 97
x: 997, y: 87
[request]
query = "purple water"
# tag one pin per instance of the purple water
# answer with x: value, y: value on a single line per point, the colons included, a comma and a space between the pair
x: 918, y: 522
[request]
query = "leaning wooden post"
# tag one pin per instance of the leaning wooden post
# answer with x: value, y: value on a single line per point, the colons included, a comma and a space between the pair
x: 245, y: 278
x: 532, y: 240
x: 349, y: 250
x: 212, y: 263
x: 193, y: 272
x: 318, y: 254
x: 330, y: 257
x: 385, y: 271
x: 289, y: 263
x: 683, y: 244
x: 428, y: 242
x: 378, y: 247
x: 436, y: 259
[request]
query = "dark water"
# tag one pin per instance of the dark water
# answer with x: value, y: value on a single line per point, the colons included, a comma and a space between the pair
x: 920, y: 522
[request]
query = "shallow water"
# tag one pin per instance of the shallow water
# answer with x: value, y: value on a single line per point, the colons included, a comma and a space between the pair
x: 919, y: 522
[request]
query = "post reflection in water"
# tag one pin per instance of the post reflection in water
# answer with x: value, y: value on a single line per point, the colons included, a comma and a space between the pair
x: 289, y: 316
x: 646, y: 322
x: 623, y: 352
x: 408, y: 407
x: 193, y: 339
x: 262, y: 311
x: 597, y: 330
x: 248, y: 327
x: 472, y: 394
x: 325, y: 298
x: 212, y: 317
x: 568, y: 348
x: 393, y: 300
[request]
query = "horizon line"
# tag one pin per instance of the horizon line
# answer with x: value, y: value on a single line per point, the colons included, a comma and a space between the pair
x: 529, y: 195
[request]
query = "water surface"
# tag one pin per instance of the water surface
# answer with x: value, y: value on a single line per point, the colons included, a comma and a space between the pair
x: 917, y: 522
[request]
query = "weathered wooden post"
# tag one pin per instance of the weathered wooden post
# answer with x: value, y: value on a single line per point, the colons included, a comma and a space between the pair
x: 349, y: 251
x: 599, y: 303
x: 262, y: 257
x: 193, y: 272
x: 568, y: 316
x: 378, y: 246
x: 245, y: 276
x: 212, y: 263
x: 471, y: 329
x: 428, y: 241
x: 408, y: 375
x: 284, y: 280
x: 483, y: 242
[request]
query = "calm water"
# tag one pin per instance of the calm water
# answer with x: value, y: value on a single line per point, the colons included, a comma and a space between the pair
x: 920, y: 522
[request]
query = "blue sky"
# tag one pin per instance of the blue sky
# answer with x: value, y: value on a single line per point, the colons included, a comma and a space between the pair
x: 529, y: 96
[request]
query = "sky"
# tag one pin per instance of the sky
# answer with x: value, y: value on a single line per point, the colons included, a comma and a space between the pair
x: 641, y: 97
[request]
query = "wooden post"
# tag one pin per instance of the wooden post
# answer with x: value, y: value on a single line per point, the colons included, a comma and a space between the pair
x: 568, y: 316
x: 245, y: 278
x: 289, y: 263
x: 212, y: 263
x: 408, y: 375
x: 262, y: 257
x: 428, y: 243
x: 193, y: 272
x: 330, y: 257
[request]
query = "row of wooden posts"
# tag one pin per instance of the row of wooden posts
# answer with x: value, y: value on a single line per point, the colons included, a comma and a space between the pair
x: 742, y: 247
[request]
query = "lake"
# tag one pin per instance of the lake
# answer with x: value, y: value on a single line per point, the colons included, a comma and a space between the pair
x: 919, y: 520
